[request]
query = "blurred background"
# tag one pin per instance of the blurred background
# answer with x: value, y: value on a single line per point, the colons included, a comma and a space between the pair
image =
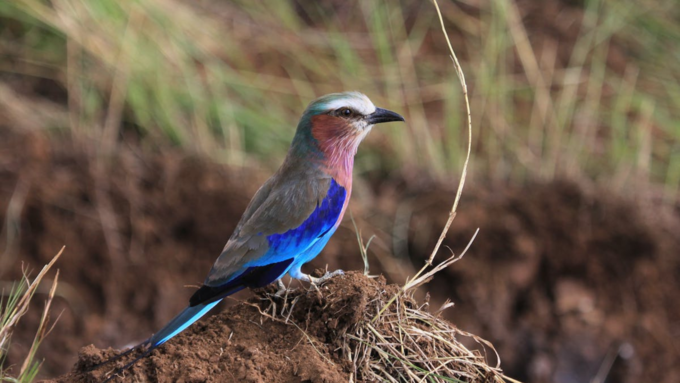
x: 134, y: 132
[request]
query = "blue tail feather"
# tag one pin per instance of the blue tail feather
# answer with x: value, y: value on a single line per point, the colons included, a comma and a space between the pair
x: 183, y: 320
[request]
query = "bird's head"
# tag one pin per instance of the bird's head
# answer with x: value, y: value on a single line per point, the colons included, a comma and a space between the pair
x: 333, y: 125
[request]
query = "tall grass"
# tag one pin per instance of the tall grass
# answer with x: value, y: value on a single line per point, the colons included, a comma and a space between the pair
x: 593, y: 92
x: 11, y: 311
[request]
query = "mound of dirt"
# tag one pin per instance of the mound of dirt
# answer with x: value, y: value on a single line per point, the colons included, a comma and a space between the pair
x: 300, y: 338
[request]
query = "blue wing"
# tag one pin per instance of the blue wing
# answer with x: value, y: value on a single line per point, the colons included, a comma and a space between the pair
x: 282, y: 249
x: 324, y: 218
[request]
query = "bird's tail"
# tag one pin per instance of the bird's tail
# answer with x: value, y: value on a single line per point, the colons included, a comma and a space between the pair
x: 183, y: 320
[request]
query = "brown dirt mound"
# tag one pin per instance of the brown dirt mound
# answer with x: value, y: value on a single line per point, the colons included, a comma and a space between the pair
x: 240, y: 344
x: 249, y: 342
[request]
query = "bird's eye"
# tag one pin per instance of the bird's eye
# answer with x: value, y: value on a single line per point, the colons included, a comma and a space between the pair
x: 345, y: 112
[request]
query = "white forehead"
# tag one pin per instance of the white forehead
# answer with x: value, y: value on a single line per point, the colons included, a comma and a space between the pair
x: 353, y: 100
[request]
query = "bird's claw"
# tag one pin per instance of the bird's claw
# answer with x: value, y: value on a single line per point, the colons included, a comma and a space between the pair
x: 327, y: 276
x: 282, y: 289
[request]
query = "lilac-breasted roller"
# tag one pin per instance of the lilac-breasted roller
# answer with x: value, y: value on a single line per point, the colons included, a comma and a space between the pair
x: 293, y: 215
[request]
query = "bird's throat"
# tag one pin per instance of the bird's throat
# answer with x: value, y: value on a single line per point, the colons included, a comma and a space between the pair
x: 338, y: 142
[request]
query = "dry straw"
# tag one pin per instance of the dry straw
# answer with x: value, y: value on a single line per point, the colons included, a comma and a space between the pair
x: 14, y: 309
x: 408, y: 343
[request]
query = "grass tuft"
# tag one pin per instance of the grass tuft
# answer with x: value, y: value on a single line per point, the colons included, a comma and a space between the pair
x: 11, y: 312
x: 410, y: 344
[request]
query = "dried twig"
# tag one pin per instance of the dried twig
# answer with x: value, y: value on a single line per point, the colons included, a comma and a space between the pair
x: 423, y: 275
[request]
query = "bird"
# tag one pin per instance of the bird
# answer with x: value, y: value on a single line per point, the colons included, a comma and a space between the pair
x: 292, y: 215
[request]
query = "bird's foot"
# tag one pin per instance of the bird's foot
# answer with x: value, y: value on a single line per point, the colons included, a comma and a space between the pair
x: 283, y: 290
x: 317, y: 281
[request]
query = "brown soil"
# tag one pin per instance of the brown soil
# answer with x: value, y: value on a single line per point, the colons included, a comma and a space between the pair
x: 308, y: 335
x: 562, y: 280
x: 242, y: 345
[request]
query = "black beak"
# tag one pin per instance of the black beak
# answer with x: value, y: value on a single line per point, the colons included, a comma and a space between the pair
x: 383, y: 115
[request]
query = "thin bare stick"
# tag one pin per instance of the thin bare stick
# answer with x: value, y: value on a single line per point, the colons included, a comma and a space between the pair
x: 463, y: 84
x: 461, y: 183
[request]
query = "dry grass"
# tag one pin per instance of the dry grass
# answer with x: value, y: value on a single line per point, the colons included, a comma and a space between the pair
x: 406, y: 343
x: 11, y: 312
x: 411, y: 344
